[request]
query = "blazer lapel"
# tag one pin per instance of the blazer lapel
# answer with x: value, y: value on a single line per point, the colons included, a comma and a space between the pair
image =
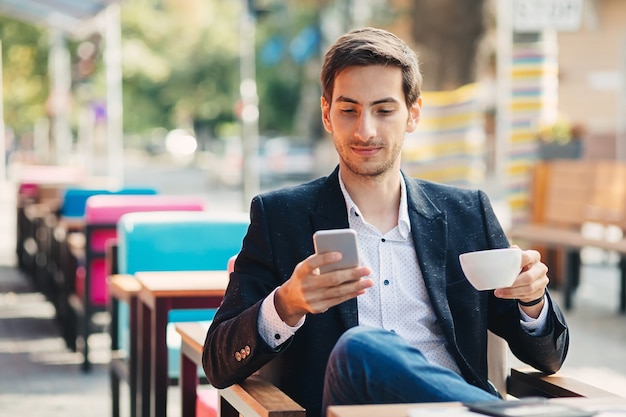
x: 429, y: 231
x: 331, y: 213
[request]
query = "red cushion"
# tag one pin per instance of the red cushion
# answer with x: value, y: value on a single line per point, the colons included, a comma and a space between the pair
x: 79, y: 283
x: 206, y: 402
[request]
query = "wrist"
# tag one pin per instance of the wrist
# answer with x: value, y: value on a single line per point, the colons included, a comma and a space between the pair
x: 286, y: 314
x: 532, y: 302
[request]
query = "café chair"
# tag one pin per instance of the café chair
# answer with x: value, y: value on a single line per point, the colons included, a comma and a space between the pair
x: 65, y: 231
x: 168, y: 241
x: 39, y: 194
x: 258, y: 396
x: 74, y: 201
x: 88, y: 295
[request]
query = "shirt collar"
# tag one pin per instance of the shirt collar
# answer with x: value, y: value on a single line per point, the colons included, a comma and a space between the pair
x: 404, y: 225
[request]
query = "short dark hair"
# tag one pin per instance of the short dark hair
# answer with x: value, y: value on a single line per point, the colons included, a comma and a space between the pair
x: 371, y: 46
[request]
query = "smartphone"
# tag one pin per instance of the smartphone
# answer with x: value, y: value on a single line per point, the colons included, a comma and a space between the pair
x: 337, y: 240
x: 527, y: 407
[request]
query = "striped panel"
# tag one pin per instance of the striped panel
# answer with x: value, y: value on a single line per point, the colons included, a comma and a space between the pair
x: 534, y: 98
x: 449, y: 143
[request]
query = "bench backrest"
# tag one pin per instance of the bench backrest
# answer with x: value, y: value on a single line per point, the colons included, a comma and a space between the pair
x: 102, y: 213
x: 569, y: 185
x: 569, y: 193
x: 75, y: 199
x: 179, y: 241
x: 607, y: 204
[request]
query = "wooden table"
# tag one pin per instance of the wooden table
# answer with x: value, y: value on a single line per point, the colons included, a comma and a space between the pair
x: 161, y: 292
x: 192, y: 344
x: 401, y: 410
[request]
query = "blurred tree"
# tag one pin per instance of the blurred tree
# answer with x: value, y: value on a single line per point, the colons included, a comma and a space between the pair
x: 179, y: 64
x: 181, y: 61
x: 287, y: 42
x: 448, y: 34
x: 25, y: 74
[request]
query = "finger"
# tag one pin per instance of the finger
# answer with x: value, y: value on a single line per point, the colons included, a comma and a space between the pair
x: 530, y: 257
x: 316, y: 260
x: 529, y: 289
x: 338, y: 294
x: 339, y: 277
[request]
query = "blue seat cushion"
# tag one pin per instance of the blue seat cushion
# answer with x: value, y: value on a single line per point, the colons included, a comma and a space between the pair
x: 75, y: 199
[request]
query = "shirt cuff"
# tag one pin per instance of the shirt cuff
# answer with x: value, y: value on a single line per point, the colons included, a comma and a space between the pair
x: 272, y: 329
x: 535, y: 327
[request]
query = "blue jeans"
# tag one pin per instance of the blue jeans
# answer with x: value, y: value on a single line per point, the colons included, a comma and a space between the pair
x: 374, y: 366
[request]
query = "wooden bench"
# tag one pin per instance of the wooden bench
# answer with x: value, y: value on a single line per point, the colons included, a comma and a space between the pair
x: 567, y: 195
x: 88, y: 280
x: 169, y: 243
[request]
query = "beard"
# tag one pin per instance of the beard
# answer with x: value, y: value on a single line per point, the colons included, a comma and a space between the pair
x: 368, y: 167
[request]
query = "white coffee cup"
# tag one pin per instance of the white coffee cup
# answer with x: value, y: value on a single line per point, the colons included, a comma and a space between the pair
x: 492, y: 268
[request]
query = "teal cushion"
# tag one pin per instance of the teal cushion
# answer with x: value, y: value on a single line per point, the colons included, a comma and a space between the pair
x: 177, y: 241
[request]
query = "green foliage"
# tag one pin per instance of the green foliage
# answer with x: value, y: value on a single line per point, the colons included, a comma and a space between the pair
x: 179, y: 64
x: 559, y: 131
x: 180, y: 67
x: 25, y: 74
x: 280, y: 84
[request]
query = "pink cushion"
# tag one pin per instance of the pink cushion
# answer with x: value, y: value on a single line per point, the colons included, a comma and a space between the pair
x: 107, y: 209
x: 28, y: 190
x: 99, y: 291
x: 206, y: 402
x: 98, y: 286
x: 99, y: 238
x: 79, y: 281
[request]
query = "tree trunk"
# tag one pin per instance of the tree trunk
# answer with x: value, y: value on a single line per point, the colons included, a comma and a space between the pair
x: 447, y: 35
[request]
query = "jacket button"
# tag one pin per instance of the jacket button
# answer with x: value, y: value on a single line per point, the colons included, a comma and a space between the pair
x: 242, y: 352
x: 247, y: 348
x: 238, y: 356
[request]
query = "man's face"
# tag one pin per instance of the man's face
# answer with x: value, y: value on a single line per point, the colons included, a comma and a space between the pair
x: 368, y: 118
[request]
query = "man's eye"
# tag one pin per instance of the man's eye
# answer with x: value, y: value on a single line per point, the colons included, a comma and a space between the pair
x: 348, y: 111
x: 385, y: 111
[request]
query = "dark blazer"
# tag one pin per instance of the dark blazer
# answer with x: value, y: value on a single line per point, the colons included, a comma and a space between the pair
x: 445, y: 221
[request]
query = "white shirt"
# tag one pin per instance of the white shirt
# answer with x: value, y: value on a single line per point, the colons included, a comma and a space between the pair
x: 398, y: 301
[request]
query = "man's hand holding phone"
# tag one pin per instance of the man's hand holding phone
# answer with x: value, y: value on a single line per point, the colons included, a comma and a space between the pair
x: 329, y: 277
x: 337, y: 240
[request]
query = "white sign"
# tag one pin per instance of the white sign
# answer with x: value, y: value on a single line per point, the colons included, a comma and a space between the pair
x: 538, y: 15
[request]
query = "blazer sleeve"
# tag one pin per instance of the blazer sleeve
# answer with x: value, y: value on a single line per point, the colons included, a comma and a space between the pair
x: 545, y: 352
x: 233, y: 349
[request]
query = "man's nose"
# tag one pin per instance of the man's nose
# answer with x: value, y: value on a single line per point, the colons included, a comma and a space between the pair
x: 365, y: 129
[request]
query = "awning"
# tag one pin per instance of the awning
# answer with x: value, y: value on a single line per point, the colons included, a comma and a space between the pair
x: 78, y: 18
x: 67, y: 15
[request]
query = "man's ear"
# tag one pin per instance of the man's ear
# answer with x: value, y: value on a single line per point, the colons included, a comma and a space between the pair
x: 415, y: 112
x: 326, y: 115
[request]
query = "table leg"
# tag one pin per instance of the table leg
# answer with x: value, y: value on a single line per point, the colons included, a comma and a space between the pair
x: 622, y: 287
x: 133, y: 355
x: 115, y: 346
x: 571, y: 272
x: 143, y: 362
x: 159, y: 365
x: 188, y: 384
